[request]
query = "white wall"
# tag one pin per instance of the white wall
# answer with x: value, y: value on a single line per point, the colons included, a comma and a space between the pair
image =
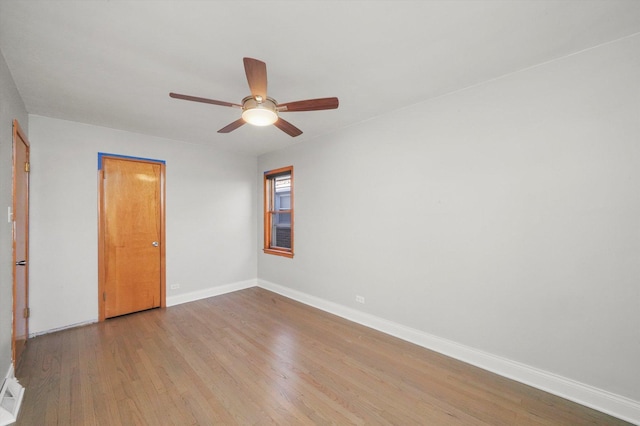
x: 504, y: 217
x: 210, y: 216
x: 11, y: 107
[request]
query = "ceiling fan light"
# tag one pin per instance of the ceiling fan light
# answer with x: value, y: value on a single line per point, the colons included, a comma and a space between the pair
x: 258, y: 111
x: 259, y: 116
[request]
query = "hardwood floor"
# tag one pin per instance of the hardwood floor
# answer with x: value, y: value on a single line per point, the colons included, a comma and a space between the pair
x: 254, y: 357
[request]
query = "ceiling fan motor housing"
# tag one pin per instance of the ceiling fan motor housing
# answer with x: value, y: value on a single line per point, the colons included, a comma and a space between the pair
x: 259, y: 112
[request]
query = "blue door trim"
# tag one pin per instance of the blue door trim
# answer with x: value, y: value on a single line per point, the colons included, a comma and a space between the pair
x: 127, y: 157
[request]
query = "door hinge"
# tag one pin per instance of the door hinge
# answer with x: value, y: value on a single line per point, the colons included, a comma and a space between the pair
x: 104, y: 295
x: 27, y: 166
x: 27, y: 312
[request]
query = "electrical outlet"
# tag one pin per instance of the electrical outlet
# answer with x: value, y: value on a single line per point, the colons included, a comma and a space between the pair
x: 360, y: 299
x: 175, y: 286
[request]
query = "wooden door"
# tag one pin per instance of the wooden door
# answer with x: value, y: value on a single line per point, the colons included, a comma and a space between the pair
x: 20, y: 242
x: 131, y: 235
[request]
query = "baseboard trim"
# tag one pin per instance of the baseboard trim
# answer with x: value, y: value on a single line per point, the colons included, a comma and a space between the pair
x: 53, y: 330
x: 601, y: 400
x: 210, y: 292
x: 171, y: 301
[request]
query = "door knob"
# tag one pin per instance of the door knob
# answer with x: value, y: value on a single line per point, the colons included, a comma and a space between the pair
x: 21, y: 263
x: 155, y: 244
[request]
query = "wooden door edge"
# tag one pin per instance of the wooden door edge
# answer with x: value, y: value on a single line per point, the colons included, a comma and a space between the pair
x: 101, y: 262
x: 18, y: 133
x: 163, y: 251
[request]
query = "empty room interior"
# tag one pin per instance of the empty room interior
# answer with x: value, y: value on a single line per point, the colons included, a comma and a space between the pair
x: 320, y: 212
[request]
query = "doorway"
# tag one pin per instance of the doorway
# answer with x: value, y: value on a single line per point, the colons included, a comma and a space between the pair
x: 131, y: 241
x: 20, y: 222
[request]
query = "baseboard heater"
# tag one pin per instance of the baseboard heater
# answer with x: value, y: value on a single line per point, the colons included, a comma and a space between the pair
x: 10, y: 400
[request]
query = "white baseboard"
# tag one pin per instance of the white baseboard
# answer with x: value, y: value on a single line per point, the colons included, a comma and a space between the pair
x: 601, y: 400
x: 64, y: 327
x: 209, y: 292
x: 171, y: 301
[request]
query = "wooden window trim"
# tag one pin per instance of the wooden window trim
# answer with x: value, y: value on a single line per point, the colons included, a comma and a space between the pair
x: 268, y: 214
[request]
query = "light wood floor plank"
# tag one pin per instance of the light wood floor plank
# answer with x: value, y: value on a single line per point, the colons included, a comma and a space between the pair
x: 255, y: 357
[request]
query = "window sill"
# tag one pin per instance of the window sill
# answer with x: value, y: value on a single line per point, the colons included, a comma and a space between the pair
x: 277, y: 252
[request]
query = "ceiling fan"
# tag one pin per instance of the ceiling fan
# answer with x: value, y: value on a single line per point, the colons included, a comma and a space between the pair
x: 259, y: 109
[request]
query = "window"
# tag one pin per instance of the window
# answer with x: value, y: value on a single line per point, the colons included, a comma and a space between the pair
x: 278, y: 211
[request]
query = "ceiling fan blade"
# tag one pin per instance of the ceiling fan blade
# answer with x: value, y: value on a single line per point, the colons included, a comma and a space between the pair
x: 287, y: 127
x: 309, y: 105
x: 256, y: 72
x: 203, y: 100
x: 231, y: 127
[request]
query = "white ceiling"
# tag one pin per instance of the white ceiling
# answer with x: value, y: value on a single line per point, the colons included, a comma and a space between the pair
x: 113, y: 63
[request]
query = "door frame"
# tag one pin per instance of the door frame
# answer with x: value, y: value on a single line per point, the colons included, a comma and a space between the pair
x: 102, y: 236
x: 19, y: 137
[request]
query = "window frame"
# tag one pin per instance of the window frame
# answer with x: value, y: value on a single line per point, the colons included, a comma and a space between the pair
x: 268, y: 214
